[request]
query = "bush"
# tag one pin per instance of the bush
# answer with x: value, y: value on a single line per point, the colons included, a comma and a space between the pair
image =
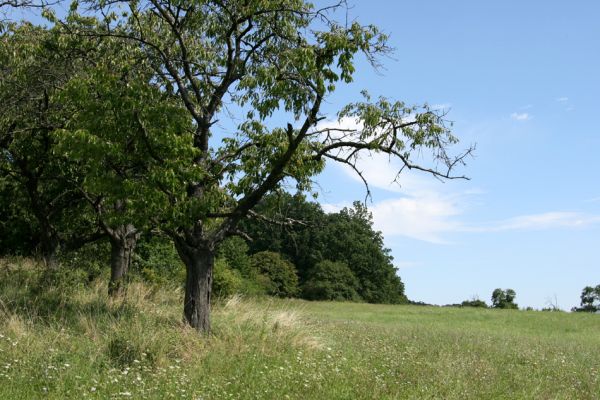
x: 226, y: 281
x: 157, y: 262
x: 278, y: 275
x: 235, y: 251
x: 474, y: 303
x: 88, y: 262
x: 329, y: 280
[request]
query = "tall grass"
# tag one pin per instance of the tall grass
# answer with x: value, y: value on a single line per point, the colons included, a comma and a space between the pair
x: 62, y: 337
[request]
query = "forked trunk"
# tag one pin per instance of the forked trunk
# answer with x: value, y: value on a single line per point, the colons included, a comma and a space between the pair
x: 122, y: 248
x: 198, y: 287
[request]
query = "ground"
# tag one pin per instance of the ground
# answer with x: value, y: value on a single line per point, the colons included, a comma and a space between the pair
x: 61, y: 343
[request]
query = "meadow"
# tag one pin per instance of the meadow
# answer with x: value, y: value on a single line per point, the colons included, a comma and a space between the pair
x: 61, y: 340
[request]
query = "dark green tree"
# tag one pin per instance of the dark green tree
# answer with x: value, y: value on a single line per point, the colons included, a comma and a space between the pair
x: 290, y: 225
x: 306, y: 235
x: 279, y: 275
x: 590, y: 299
x: 474, y: 303
x: 504, y: 299
x: 33, y: 72
x: 350, y: 238
x: 329, y: 280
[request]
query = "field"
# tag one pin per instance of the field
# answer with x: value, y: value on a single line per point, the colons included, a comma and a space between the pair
x: 74, y: 342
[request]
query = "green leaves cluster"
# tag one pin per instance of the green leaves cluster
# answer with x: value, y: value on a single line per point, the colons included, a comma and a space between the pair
x: 504, y: 299
x: 590, y: 299
x: 307, y: 236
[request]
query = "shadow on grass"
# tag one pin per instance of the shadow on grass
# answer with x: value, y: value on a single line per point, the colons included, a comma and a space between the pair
x: 62, y: 296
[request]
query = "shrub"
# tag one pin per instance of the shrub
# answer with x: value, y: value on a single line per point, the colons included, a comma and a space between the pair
x: 226, y: 281
x: 88, y: 262
x: 157, y: 261
x: 329, y: 280
x: 235, y: 251
x: 474, y: 303
x: 278, y: 275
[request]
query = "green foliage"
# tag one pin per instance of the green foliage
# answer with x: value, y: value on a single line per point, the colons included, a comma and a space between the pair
x: 18, y: 226
x: 474, y: 303
x: 278, y: 275
x: 33, y: 71
x: 351, y: 239
x: 226, y: 281
x: 301, y: 242
x: 590, y: 299
x: 90, y: 260
x: 157, y: 261
x: 329, y: 280
x: 504, y: 299
x: 235, y: 251
x: 347, y: 237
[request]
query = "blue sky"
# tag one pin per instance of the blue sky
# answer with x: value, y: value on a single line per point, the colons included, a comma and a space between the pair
x: 519, y: 79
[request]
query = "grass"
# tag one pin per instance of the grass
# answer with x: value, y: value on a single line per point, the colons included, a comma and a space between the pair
x: 60, y: 342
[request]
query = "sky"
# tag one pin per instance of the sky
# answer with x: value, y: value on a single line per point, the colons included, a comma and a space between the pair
x: 520, y: 81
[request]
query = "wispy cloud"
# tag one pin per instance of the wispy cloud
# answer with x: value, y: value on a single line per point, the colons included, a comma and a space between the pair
x: 520, y: 116
x: 542, y: 221
x: 424, y: 209
x: 562, y: 99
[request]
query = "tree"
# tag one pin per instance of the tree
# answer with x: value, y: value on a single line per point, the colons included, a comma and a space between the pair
x: 279, y: 275
x: 590, y: 299
x: 307, y: 236
x: 290, y: 225
x: 267, y: 59
x: 32, y: 74
x: 504, y: 299
x: 350, y: 238
x: 330, y: 280
x: 124, y: 131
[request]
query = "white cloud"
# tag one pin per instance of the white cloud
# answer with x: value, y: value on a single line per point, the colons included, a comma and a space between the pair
x: 421, y: 217
x: 562, y: 99
x: 422, y: 208
x: 520, y: 116
x: 425, y: 209
x: 543, y: 221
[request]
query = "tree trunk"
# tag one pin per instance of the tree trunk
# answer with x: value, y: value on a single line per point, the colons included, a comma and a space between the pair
x: 49, y: 249
x: 122, y: 243
x: 198, y: 286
